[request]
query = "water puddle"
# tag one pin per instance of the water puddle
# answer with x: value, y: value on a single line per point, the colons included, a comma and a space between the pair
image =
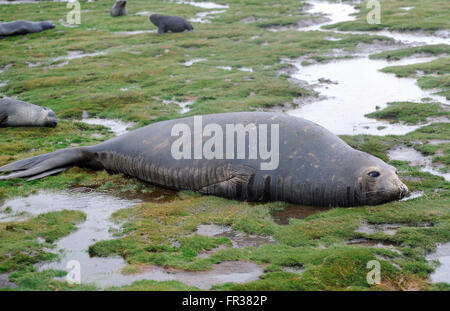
x: 4, y: 281
x: 118, y: 127
x: 189, y: 63
x: 245, y: 69
x: 344, y: 12
x: 355, y: 92
x: 442, y: 272
x: 144, y: 13
x: 105, y: 272
x: 184, y: 106
x: 134, y: 32
x: 19, y: 2
x: 205, y: 17
x: 227, y: 68
x: 282, y: 217
x: 229, y: 271
x: 205, y: 5
x: 75, y: 54
x: 415, y: 158
x: 388, y: 229
x: 6, y: 67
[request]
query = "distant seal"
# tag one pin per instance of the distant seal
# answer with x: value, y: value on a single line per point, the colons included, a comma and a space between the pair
x: 23, y: 27
x: 16, y: 113
x: 170, y: 23
x: 119, y: 8
x: 315, y: 167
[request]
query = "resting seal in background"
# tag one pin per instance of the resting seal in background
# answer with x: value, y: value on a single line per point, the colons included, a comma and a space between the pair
x: 119, y: 8
x: 23, y: 27
x: 170, y: 23
x: 315, y: 167
x: 16, y: 113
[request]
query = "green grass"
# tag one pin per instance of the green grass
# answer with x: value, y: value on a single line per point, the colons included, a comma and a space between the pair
x: 437, y: 49
x: 161, y: 233
x: 410, y: 113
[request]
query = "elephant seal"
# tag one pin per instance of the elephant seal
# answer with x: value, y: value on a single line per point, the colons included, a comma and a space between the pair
x: 23, y: 27
x: 16, y: 113
x: 119, y: 8
x: 315, y: 167
x: 170, y: 23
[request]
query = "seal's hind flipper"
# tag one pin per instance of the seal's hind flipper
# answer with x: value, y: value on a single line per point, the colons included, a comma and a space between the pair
x: 46, y: 164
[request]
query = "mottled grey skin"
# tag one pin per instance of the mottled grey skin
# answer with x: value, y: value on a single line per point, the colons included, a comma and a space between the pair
x: 23, y: 27
x: 16, y: 113
x: 170, y: 23
x: 315, y: 166
x: 119, y: 8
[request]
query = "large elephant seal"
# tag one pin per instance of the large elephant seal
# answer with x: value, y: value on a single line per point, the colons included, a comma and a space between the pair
x: 170, y: 23
x: 16, y: 113
x: 23, y: 27
x: 306, y: 164
x: 119, y: 8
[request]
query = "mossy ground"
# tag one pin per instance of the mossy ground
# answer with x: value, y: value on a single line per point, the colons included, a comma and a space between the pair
x: 150, y: 68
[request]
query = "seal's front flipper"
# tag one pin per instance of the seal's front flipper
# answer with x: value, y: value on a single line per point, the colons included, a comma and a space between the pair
x: 236, y: 184
x: 161, y: 31
x: 46, y: 164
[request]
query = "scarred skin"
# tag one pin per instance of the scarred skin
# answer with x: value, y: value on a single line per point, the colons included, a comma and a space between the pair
x: 315, y: 167
x: 23, y: 27
x: 16, y: 113
x: 119, y: 8
x: 170, y: 23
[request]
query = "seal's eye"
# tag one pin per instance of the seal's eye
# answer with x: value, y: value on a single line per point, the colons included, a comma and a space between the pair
x: 374, y: 174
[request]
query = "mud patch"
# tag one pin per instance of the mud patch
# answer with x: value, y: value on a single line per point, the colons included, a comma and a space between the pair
x: 282, y: 217
x: 374, y: 244
x: 389, y: 229
x: 238, y: 239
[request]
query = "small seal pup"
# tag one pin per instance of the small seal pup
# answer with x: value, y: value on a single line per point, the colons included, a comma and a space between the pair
x: 313, y: 166
x: 119, y: 8
x: 16, y: 113
x: 23, y: 27
x: 170, y: 23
